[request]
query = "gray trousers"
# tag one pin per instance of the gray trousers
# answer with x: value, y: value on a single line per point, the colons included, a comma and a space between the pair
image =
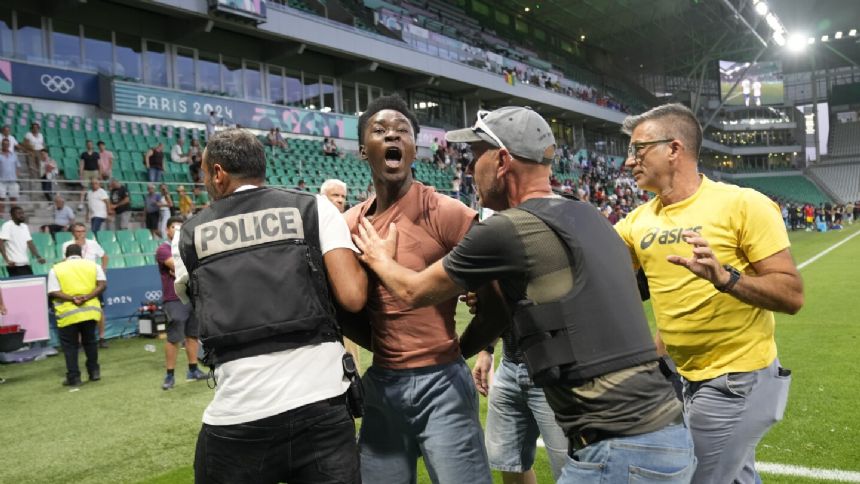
x: 728, y: 416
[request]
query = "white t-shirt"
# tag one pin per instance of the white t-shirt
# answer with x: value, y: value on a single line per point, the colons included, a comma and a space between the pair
x: 91, y: 251
x: 54, y: 283
x: 12, y: 141
x: 36, y: 141
x: 16, y: 238
x: 261, y: 386
x: 176, y: 154
x: 97, y: 201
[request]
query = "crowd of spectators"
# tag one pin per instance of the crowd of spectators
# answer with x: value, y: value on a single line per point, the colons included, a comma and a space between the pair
x: 821, y: 218
x: 575, y: 90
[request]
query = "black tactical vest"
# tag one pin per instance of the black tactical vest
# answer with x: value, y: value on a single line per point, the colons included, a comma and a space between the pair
x: 599, y: 326
x: 256, y: 276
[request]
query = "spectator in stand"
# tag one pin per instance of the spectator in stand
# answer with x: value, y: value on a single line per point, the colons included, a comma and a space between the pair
x: 34, y: 141
x: 8, y: 173
x: 177, y: 153
x: 105, y: 161
x: 335, y: 191
x: 74, y: 286
x: 302, y: 187
x: 201, y: 198
x: 151, y: 207
x: 93, y: 252
x: 275, y: 140
x: 181, y: 323
x: 120, y: 204
x: 211, y: 123
x: 165, y: 208
x: 455, y: 187
x: 88, y: 168
x: 5, y: 134
x: 186, y: 203
x: 47, y: 173
x: 195, y: 155
x: 64, y: 217
x: 97, y: 205
x: 15, y: 239
x: 330, y: 148
x: 154, y: 161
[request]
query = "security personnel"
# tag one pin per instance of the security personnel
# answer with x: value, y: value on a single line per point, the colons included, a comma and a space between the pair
x: 574, y: 303
x: 257, y: 266
x: 74, y: 285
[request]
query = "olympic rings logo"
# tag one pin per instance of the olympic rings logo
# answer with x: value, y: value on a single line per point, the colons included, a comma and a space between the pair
x: 152, y: 295
x: 58, y: 84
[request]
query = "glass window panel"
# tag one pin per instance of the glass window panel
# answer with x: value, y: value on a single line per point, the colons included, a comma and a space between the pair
x: 66, y: 43
x: 328, y: 91
x: 209, y: 72
x: 128, y: 55
x: 312, y: 91
x: 294, y: 90
x: 184, y: 69
x: 231, y: 73
x: 363, y: 99
x: 350, y: 101
x: 30, y: 41
x: 6, y: 46
x: 98, y: 51
x: 276, y: 85
x: 253, y: 81
x: 156, y: 64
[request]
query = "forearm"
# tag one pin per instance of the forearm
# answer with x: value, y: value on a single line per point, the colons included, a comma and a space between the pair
x: 61, y: 296
x: 775, y: 291
x: 413, y: 288
x: 493, y: 317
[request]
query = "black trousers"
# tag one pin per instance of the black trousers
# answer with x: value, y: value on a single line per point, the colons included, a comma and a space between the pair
x: 15, y: 271
x: 313, y: 444
x: 69, y: 337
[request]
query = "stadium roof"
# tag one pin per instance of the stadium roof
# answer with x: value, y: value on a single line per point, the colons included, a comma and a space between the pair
x: 676, y: 36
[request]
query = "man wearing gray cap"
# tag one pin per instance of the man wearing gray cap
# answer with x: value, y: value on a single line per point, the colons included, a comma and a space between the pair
x: 574, y: 304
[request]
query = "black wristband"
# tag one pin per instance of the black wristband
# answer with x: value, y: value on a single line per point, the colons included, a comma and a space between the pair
x: 489, y: 349
x: 734, y: 277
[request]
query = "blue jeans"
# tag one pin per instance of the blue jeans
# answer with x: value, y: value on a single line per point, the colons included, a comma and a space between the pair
x: 96, y: 223
x: 662, y: 456
x: 729, y: 415
x: 155, y: 175
x: 430, y: 412
x: 517, y: 414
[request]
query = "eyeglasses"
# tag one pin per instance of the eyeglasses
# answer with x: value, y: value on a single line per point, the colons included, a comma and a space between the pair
x: 634, y: 148
x: 481, y: 125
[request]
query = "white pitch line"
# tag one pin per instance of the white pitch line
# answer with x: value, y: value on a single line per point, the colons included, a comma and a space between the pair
x: 826, y: 251
x: 798, y: 471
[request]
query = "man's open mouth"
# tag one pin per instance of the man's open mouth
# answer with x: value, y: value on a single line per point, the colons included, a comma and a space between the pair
x: 393, y: 157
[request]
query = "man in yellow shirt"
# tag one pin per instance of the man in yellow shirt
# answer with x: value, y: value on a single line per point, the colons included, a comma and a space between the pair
x: 718, y: 264
x: 74, y: 285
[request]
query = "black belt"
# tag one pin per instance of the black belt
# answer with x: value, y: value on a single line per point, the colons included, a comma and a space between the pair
x: 588, y: 437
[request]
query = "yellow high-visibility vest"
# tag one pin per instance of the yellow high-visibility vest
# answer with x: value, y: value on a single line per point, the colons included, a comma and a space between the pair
x: 77, y: 277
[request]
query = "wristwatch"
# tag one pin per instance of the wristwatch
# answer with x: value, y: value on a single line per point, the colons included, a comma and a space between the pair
x: 734, y: 277
x: 489, y: 349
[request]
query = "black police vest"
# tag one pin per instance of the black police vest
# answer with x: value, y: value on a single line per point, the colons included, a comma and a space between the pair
x: 256, y: 276
x: 599, y: 326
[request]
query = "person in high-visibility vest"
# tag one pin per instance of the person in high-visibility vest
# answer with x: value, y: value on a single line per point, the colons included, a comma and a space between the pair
x: 74, y: 286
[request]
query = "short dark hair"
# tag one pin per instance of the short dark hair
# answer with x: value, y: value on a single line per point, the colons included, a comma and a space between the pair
x: 238, y: 152
x: 395, y: 103
x: 73, y: 249
x: 100, y: 143
x: 76, y: 225
x: 176, y: 219
x: 89, y: 141
x: 13, y: 208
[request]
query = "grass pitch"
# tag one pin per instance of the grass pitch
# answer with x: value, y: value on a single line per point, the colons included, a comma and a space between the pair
x: 126, y: 429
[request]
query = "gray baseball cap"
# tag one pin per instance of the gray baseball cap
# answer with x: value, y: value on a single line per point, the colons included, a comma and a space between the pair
x: 520, y: 130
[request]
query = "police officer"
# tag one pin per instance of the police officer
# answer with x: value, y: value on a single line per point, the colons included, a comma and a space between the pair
x: 575, y: 305
x: 257, y: 266
x: 75, y: 285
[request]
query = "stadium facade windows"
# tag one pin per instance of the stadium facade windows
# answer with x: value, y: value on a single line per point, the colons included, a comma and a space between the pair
x: 129, y: 54
x: 65, y: 43
x: 311, y: 88
x: 184, y: 75
x: 275, y: 85
x: 155, y: 63
x: 253, y: 81
x: 294, y: 85
x: 98, y: 50
x: 231, y: 77
x: 349, y: 98
x: 209, y: 72
x: 327, y: 98
x: 29, y: 37
x: 7, y: 36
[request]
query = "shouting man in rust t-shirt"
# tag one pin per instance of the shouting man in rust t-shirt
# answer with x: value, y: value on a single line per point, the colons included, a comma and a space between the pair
x: 419, y: 395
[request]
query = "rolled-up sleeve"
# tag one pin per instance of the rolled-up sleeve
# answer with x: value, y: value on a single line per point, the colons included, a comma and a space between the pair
x: 180, y: 284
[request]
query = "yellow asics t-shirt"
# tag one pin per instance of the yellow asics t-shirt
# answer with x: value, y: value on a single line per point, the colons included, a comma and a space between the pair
x: 707, y: 333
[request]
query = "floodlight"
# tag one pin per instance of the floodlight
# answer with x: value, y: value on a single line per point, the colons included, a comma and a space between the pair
x: 811, y: 40
x: 761, y: 8
x: 825, y: 38
x: 852, y: 33
x: 779, y: 38
x: 796, y: 42
x: 838, y: 35
x: 773, y: 22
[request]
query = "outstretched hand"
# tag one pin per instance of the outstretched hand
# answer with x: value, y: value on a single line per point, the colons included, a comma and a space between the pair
x: 703, y: 262
x: 374, y: 249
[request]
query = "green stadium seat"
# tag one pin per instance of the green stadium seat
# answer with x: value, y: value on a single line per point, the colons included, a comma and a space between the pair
x: 61, y: 238
x: 124, y: 235
x: 130, y: 247
x: 106, y: 235
x: 135, y: 260
x: 116, y: 262
x: 142, y: 234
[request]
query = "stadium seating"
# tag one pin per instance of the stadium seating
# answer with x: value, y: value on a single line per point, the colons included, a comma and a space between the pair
x: 796, y: 189
x: 843, y: 181
x: 844, y: 138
